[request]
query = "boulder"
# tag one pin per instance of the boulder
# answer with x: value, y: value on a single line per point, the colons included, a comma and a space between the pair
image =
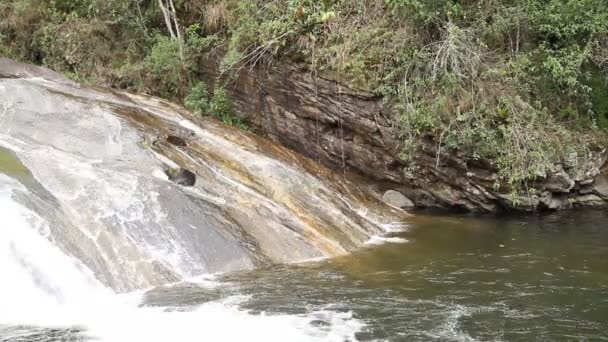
x: 551, y: 202
x: 397, y: 199
x: 586, y: 189
x: 559, y: 182
x: 601, y: 186
x: 589, y: 200
x: 181, y: 176
x: 519, y: 202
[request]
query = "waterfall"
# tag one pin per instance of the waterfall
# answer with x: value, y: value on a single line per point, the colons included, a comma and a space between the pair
x: 37, y: 276
x: 90, y: 218
x: 42, y: 286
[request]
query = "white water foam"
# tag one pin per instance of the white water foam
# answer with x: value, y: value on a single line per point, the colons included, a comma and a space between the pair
x: 396, y: 227
x: 44, y: 287
x: 389, y: 228
x: 380, y: 240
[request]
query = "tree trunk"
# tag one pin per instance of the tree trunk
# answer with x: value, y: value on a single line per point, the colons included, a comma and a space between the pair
x: 167, y: 17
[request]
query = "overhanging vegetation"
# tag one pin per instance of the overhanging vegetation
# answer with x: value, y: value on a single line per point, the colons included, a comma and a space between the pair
x: 519, y: 83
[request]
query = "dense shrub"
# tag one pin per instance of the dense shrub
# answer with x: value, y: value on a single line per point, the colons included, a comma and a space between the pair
x: 219, y: 105
x: 198, y: 99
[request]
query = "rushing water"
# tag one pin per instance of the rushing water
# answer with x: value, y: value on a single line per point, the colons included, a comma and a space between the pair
x: 90, y: 218
x: 542, y: 278
x: 97, y: 244
x: 95, y: 166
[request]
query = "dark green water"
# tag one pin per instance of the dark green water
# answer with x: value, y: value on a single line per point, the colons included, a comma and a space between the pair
x: 459, y: 279
x: 542, y: 278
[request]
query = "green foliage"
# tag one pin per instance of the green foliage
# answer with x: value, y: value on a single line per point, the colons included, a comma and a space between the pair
x: 599, y: 98
x: 262, y: 31
x: 197, y: 43
x: 169, y: 65
x: 76, y: 46
x: 219, y: 105
x: 85, y: 39
x: 520, y: 84
x: 5, y: 51
x: 427, y: 11
x: 517, y: 83
x: 198, y: 99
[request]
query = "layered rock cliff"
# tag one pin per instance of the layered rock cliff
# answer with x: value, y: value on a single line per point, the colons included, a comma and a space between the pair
x: 350, y: 130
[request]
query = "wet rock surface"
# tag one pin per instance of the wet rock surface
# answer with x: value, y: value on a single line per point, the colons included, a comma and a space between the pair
x: 97, y: 169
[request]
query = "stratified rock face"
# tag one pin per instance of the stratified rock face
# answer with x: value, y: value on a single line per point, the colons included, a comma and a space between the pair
x: 344, y: 128
x: 349, y: 130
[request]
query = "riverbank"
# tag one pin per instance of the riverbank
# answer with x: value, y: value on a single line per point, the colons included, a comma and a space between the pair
x: 479, y: 107
x: 350, y: 130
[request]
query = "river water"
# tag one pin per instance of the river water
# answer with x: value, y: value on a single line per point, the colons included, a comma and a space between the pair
x: 447, y: 278
x: 541, y: 278
x: 98, y: 244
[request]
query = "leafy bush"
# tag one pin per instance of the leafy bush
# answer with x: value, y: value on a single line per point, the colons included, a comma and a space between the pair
x: 169, y: 65
x: 85, y: 39
x: 261, y: 31
x: 198, y: 99
x: 219, y: 105
x: 516, y: 83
